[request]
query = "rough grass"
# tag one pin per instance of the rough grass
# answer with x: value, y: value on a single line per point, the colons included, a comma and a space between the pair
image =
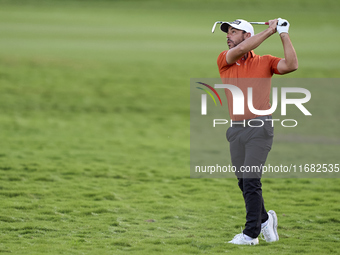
x: 94, y: 115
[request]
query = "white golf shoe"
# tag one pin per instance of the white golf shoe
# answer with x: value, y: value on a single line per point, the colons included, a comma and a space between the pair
x: 240, y: 239
x: 270, y: 230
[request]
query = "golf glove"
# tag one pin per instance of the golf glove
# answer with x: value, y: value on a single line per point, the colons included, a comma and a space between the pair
x: 282, y: 26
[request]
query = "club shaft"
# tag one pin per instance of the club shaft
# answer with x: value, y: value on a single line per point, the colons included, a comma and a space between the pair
x: 259, y: 23
x: 255, y: 23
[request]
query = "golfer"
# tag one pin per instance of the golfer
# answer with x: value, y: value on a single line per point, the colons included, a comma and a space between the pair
x: 250, y: 144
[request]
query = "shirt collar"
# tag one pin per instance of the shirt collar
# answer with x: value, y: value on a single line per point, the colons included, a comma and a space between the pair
x: 252, y: 54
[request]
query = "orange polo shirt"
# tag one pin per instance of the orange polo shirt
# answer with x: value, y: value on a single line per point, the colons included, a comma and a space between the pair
x: 256, y: 72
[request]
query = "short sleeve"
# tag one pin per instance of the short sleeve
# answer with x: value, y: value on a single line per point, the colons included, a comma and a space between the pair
x: 273, y: 61
x: 222, y: 61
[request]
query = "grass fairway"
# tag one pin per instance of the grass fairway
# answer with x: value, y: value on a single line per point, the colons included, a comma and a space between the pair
x: 95, y: 139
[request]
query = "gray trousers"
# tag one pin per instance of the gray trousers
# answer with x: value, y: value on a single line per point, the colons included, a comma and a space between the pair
x: 249, y: 147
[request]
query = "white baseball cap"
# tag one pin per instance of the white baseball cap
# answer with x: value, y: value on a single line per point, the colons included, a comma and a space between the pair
x: 240, y: 24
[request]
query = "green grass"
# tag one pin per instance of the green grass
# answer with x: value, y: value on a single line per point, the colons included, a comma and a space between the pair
x: 94, y: 117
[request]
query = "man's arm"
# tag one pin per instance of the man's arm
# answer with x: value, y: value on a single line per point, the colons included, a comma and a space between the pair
x: 290, y: 62
x: 251, y: 43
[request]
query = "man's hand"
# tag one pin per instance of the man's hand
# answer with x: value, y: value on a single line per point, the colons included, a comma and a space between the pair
x: 282, y: 26
x: 273, y: 25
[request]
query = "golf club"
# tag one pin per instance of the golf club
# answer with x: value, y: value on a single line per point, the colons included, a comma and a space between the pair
x: 255, y: 23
